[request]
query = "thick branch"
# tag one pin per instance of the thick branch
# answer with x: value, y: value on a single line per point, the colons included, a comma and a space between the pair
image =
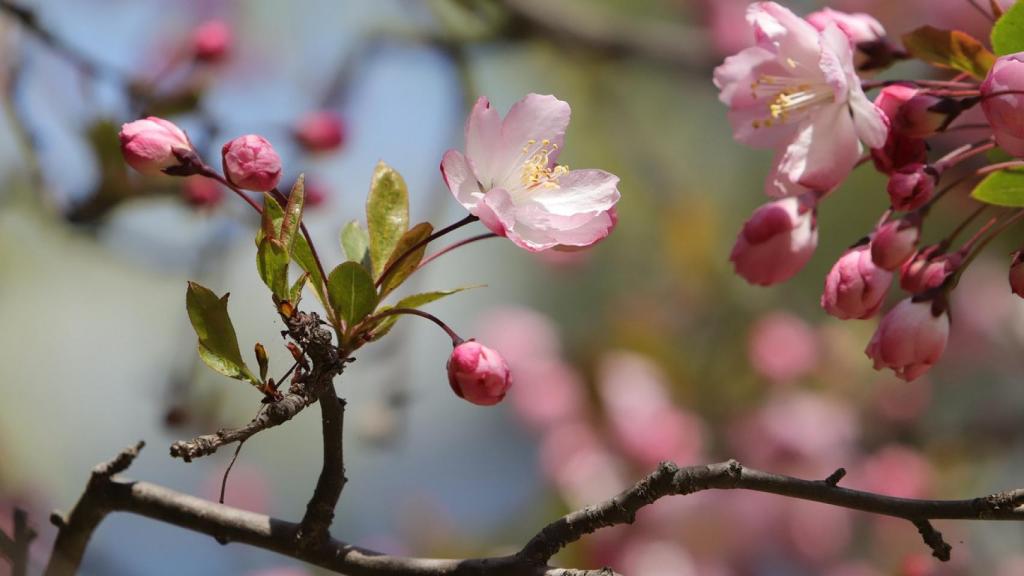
x: 669, y: 480
x: 320, y: 509
x: 274, y: 414
x: 105, y: 494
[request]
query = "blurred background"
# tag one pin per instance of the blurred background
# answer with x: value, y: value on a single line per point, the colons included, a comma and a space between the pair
x: 645, y: 348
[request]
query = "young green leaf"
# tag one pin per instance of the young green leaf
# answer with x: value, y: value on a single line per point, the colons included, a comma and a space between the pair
x: 398, y: 271
x: 387, y: 214
x: 414, y: 301
x: 1008, y: 32
x: 351, y: 292
x: 272, y: 265
x: 301, y: 252
x: 355, y: 243
x: 1003, y: 188
x: 218, y: 344
x: 950, y: 49
x: 293, y: 213
x: 295, y: 292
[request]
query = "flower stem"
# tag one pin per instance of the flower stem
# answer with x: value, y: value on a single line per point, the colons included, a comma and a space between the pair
x: 963, y: 153
x: 456, y: 339
x: 412, y: 249
x: 458, y: 244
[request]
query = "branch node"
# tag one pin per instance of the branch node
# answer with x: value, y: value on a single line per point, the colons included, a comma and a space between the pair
x: 119, y: 463
x: 57, y: 519
x: 834, y: 478
x: 933, y: 538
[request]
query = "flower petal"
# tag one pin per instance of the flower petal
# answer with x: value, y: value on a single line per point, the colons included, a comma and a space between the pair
x: 824, y: 151
x: 496, y: 211
x: 536, y: 118
x: 483, y: 138
x: 459, y: 177
x: 579, y: 191
x: 870, y: 122
x: 793, y: 38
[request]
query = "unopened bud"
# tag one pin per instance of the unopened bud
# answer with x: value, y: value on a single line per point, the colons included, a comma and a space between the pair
x: 478, y: 374
x: 250, y: 162
x: 149, y: 145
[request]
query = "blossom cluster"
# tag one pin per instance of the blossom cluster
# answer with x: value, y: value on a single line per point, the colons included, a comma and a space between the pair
x: 799, y: 91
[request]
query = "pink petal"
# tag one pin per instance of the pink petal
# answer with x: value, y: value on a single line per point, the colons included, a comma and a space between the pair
x: 869, y: 121
x: 579, y: 191
x: 793, y: 37
x: 496, y: 211
x: 459, y: 177
x: 824, y: 151
x: 537, y: 118
x: 836, y: 61
x: 483, y: 137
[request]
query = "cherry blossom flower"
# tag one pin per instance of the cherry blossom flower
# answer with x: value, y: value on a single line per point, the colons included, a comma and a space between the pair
x: 910, y: 339
x: 797, y: 91
x: 510, y: 179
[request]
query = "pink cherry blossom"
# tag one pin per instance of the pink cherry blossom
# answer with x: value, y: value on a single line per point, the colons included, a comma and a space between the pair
x: 1003, y: 102
x: 895, y: 471
x: 855, y: 287
x: 202, y: 192
x: 250, y: 162
x: 777, y: 241
x: 910, y: 339
x: 478, y: 374
x: 796, y: 91
x: 858, y: 27
x: 149, y: 145
x: 510, y: 179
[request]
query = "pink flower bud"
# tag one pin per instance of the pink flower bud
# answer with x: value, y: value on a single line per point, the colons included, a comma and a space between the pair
x: 320, y: 131
x: 894, y: 243
x: 148, y: 145
x: 1005, y: 111
x: 928, y: 269
x: 1017, y: 274
x: 776, y: 242
x: 201, y: 192
x: 899, y: 150
x: 855, y: 287
x: 910, y: 339
x: 316, y: 193
x: 911, y: 186
x: 917, y: 119
x: 250, y: 162
x: 211, y: 41
x: 478, y: 374
x: 858, y: 27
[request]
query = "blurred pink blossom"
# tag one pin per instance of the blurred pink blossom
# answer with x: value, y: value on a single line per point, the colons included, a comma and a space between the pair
x: 580, y: 465
x: 894, y: 470
x: 818, y: 532
x: 643, y: 420
x: 247, y: 488
x: 656, y: 558
x: 211, y: 41
x: 899, y: 401
x: 320, y: 131
x: 796, y: 431
x: 782, y: 347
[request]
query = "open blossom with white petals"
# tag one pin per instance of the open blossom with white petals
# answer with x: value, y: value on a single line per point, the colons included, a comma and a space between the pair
x: 510, y: 179
x: 797, y: 91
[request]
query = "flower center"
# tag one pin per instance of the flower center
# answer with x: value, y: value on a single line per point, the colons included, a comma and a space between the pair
x: 536, y: 167
x: 790, y: 97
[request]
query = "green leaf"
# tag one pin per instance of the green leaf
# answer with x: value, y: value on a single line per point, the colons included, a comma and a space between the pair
x: 1008, y: 32
x: 413, y: 301
x: 351, y: 292
x: 407, y: 265
x: 355, y: 243
x: 218, y: 344
x: 293, y: 213
x: 272, y: 264
x: 950, y: 49
x: 301, y: 252
x: 387, y: 214
x: 295, y: 292
x: 1003, y: 188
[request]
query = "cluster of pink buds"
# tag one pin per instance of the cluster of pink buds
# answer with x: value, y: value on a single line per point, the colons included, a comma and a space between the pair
x: 798, y: 91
